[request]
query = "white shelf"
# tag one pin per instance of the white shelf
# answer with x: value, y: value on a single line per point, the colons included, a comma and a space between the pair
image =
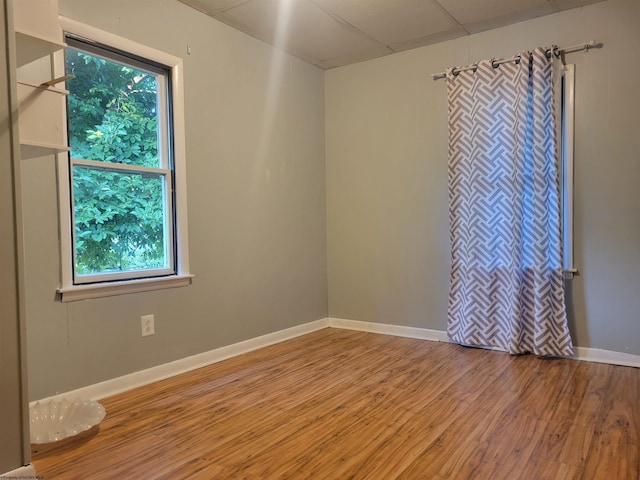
x: 30, y: 47
x: 34, y: 149
x: 40, y: 107
x: 41, y: 119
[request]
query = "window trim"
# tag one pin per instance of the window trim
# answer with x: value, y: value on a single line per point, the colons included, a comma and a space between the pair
x: 69, y: 291
x: 165, y: 168
x: 168, y: 203
x: 567, y: 161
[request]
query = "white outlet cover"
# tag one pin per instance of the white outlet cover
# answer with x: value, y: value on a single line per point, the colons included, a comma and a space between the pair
x: 147, y: 324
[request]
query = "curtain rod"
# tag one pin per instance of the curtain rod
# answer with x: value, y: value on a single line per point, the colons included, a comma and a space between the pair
x: 555, y: 50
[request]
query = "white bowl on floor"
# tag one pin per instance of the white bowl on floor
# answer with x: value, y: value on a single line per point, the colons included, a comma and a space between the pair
x: 53, y: 420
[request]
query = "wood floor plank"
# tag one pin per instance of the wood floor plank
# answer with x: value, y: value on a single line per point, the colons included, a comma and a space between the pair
x: 340, y: 404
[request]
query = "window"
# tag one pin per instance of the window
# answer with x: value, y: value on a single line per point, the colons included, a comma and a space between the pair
x: 122, y: 185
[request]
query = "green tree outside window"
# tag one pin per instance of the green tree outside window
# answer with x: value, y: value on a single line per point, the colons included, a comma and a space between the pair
x: 119, y: 215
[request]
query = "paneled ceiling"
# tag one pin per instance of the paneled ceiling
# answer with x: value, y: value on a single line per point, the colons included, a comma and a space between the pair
x: 332, y: 33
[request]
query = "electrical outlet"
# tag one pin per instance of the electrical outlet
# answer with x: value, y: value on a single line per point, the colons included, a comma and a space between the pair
x: 148, y: 328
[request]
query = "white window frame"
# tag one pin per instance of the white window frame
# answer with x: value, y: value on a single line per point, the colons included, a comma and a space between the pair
x: 70, y: 291
x: 567, y: 157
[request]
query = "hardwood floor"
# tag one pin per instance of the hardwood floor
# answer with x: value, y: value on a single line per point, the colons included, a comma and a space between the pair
x: 339, y: 404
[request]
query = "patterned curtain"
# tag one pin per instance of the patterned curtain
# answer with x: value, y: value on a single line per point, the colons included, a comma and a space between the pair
x: 507, y: 287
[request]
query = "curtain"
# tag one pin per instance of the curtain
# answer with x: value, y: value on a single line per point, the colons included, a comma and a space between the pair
x: 507, y: 286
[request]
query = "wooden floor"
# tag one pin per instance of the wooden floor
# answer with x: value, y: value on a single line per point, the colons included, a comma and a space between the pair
x: 339, y: 404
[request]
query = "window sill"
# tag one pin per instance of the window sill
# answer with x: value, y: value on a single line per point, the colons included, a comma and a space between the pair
x: 98, y: 290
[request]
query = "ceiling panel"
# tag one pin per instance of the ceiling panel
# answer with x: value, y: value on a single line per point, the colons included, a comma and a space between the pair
x: 394, y: 21
x: 331, y: 33
x: 301, y: 26
x: 429, y: 39
x: 465, y: 11
x: 567, y: 4
x: 211, y: 7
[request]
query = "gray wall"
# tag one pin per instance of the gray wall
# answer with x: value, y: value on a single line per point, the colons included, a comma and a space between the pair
x: 256, y: 199
x: 258, y: 124
x: 386, y: 147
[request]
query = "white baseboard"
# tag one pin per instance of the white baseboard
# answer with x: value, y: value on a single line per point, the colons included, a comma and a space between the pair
x: 160, y: 372
x: 387, y: 329
x: 581, y: 353
x: 606, y: 356
x: 27, y: 472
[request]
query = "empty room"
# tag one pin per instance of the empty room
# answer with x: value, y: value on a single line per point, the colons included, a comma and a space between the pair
x: 320, y: 239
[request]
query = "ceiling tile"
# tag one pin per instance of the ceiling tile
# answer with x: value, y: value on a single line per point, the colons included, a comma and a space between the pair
x: 509, y: 18
x: 225, y: 4
x: 330, y: 33
x: 342, y: 60
x: 567, y: 4
x: 300, y: 26
x: 467, y: 12
x: 394, y: 21
x: 211, y: 7
x: 429, y: 39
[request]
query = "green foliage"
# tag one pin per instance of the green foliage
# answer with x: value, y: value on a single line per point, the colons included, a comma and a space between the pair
x: 118, y: 216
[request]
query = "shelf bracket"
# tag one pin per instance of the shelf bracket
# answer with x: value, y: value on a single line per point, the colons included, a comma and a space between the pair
x: 52, y: 82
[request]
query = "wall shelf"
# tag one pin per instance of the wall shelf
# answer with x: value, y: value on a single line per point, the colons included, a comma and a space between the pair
x: 30, y: 47
x: 41, y: 106
x: 32, y: 149
x: 41, y: 124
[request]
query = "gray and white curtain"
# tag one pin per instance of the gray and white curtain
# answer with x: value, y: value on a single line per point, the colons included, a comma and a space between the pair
x: 507, y: 287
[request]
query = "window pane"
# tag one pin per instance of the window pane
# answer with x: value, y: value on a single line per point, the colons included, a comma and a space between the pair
x: 120, y: 221
x: 112, y: 110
